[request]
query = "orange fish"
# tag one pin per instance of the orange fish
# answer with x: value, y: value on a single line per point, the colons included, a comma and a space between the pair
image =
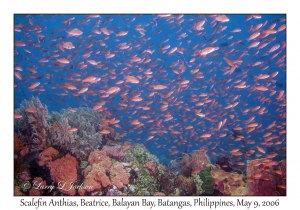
x: 68, y: 45
x: 83, y: 90
x: 200, y: 114
x: 199, y: 25
x: 89, y: 79
x: 261, y: 88
x: 275, y: 47
x: 206, y: 135
x: 31, y: 110
x: 280, y: 95
x: 72, y: 130
x: 131, y: 79
x: 281, y: 28
x: 221, y: 18
x: 160, y: 87
x: 34, y: 85
x: 257, y: 176
x: 113, y: 90
x: 234, y: 150
x: 208, y: 50
x: 237, y: 153
x: 254, y: 44
x: 17, y: 116
x: 254, y: 35
x: 71, y: 109
x: 260, y: 149
x: 236, y: 30
x: 122, y: 33
x: 279, y: 172
x: 282, y: 186
x: 20, y: 43
x: 240, y: 163
x: 75, y: 32
x: 18, y: 75
x: 174, y: 152
x: 104, y: 131
x: 62, y: 60
x: 126, y: 147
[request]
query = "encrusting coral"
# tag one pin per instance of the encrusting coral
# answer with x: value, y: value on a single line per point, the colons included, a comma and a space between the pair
x: 228, y: 183
x: 64, y: 172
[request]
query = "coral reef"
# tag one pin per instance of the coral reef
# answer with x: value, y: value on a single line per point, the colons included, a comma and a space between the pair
x: 186, y: 168
x: 19, y: 144
x: 280, y: 176
x: 113, y: 151
x: 145, y: 183
x: 114, y: 192
x: 95, y: 174
x: 228, y: 183
x: 204, y: 181
x: 64, y: 172
x: 185, y: 184
x: 176, y: 166
x: 18, y: 191
x: 95, y: 177
x: 167, y: 181
x: 37, y: 115
x: 265, y: 177
x: 82, y: 141
x: 199, y: 160
x: 100, y: 157
x: 151, y: 166
x: 75, y: 131
x: 59, y: 135
x: 47, y: 156
x: 198, y: 182
x: 224, y: 163
x: 118, y: 175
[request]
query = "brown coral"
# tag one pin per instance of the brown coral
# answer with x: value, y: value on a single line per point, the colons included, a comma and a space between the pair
x: 98, y: 156
x: 64, y: 172
x: 186, y: 183
x: 261, y: 178
x: 19, y: 144
x: 38, y: 122
x: 113, y: 151
x: 59, y: 134
x: 118, y: 175
x: 47, y: 156
x: 151, y: 166
x: 199, y: 160
x: 186, y: 168
x: 95, y: 173
x: 228, y: 183
x: 95, y: 177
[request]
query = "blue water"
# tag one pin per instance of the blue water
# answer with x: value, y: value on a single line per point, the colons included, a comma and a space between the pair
x: 47, y: 31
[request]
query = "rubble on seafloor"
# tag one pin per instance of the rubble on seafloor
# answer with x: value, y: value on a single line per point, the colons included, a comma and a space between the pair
x: 48, y: 165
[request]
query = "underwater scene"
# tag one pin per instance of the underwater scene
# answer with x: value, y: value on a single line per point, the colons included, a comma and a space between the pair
x: 149, y: 104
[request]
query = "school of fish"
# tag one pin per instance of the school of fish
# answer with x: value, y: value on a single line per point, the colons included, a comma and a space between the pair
x: 168, y: 81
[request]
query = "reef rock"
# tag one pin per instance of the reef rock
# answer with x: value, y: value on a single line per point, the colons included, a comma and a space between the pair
x: 228, y: 183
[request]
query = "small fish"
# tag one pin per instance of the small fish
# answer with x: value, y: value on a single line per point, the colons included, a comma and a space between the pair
x: 34, y: 85
x: 72, y: 130
x: 71, y: 109
x: 260, y: 149
x: 74, y: 32
x: 104, y: 131
x: 17, y: 116
x: 31, y: 110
